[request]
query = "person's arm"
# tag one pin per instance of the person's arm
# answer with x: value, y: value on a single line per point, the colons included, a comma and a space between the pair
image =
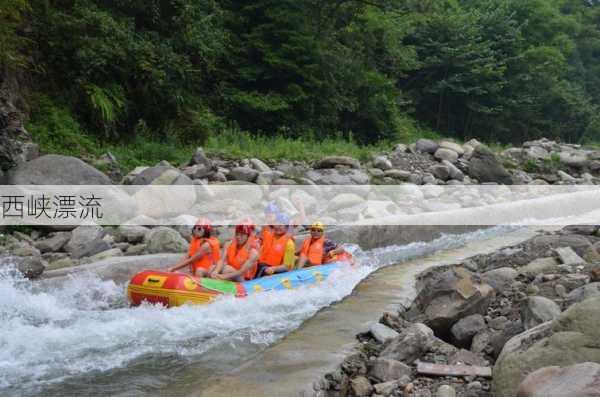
x: 187, y: 260
x: 218, y: 268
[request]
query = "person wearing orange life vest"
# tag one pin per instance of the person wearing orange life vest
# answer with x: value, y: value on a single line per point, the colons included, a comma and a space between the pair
x: 240, y: 256
x: 312, y: 252
x: 204, y: 251
x: 277, y: 255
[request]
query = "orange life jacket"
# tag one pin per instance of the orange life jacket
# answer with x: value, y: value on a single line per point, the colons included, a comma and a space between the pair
x: 267, y: 235
x: 273, y: 253
x: 343, y: 257
x: 207, y: 260
x: 237, y: 256
x: 313, y: 250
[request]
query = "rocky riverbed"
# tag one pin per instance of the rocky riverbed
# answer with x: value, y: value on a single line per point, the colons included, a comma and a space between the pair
x: 521, y: 321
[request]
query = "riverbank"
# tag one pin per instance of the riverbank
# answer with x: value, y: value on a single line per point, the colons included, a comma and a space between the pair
x: 495, y: 318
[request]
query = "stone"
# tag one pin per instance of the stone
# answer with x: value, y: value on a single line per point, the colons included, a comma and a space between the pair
x: 382, y: 333
x: 137, y: 249
x: 54, y: 242
x: 104, y: 255
x: 131, y: 233
x: 570, y: 339
x: 584, y: 292
x: 398, y: 174
x: 164, y: 239
x: 568, y: 256
x: 537, y: 153
x: 259, y: 165
x: 344, y: 200
x: 197, y: 171
x: 445, y: 391
x: 485, y: 167
x: 466, y: 357
x: 453, y: 171
x: 30, y: 266
x: 579, y: 244
x: 55, y: 169
x: 61, y: 263
x: 500, y: 278
x: 200, y: 158
x: 338, y: 177
x: 382, y: 162
x: 452, y: 146
x: 537, y: 310
x: 411, y: 344
x: 446, y: 154
x: 361, y: 387
x: 333, y: 161
x: 427, y: 146
x: 465, y: 329
x: 579, y: 380
x: 387, y: 369
x: 23, y: 248
x: 449, y: 296
x: 387, y: 388
x: 573, y: 159
x: 245, y: 174
x: 595, y: 274
x: 539, y: 266
x: 86, y: 240
x: 440, y: 171
x: 565, y: 177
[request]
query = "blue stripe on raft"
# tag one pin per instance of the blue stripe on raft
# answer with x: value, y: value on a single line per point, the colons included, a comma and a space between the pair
x: 292, y: 279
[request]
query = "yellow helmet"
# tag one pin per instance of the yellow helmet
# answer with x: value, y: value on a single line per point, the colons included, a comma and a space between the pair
x: 317, y: 225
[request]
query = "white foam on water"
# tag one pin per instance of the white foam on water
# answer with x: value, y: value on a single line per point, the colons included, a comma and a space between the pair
x: 82, y: 325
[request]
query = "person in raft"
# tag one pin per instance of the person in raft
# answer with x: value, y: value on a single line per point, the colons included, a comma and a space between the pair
x: 277, y: 253
x: 317, y: 250
x: 271, y: 212
x: 204, y: 251
x: 240, y: 256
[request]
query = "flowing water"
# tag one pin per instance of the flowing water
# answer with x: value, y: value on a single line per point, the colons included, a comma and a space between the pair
x: 79, y: 337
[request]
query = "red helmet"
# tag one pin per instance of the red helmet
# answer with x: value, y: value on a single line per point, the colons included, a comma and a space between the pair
x: 204, y: 224
x: 245, y: 227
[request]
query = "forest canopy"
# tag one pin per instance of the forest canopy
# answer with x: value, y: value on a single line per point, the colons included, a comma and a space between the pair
x: 499, y: 70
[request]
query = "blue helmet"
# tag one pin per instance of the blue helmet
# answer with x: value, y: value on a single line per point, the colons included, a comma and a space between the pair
x: 272, y: 208
x: 282, y: 219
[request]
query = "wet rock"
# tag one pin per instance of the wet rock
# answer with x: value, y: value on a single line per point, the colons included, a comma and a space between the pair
x: 500, y: 278
x: 445, y: 391
x: 568, y: 256
x: 538, y: 310
x: 579, y: 380
x: 332, y: 161
x: 382, y: 333
x: 387, y: 369
x: 538, y: 266
x: 361, y: 387
x: 53, y: 243
x: 86, y: 240
x: 31, y: 266
x: 410, y: 345
x: 446, y: 154
x: 465, y: 329
x: 131, y: 233
x: 164, y: 239
x: 426, y: 146
x: 54, y: 169
x: 485, y: 167
x: 355, y: 364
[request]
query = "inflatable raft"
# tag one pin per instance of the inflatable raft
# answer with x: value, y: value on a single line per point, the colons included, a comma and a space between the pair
x: 176, y: 289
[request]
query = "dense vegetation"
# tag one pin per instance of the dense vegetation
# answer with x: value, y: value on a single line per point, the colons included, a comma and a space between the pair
x: 189, y: 70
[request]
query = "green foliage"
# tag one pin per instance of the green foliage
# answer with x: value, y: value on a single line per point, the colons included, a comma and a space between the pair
x: 11, y: 42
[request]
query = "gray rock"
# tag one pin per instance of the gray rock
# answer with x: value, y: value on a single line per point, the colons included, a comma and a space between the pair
x: 485, y: 167
x: 199, y: 158
x: 427, y: 146
x: 344, y: 200
x: 387, y: 388
x: 445, y: 391
x: 387, y: 369
x: 131, y: 233
x: 573, y: 159
x: 243, y: 174
x: 537, y: 153
x: 440, y: 171
x: 54, y: 169
x: 86, y: 240
x: 382, y: 333
x: 53, y: 243
x: 338, y: 177
x: 446, y: 154
x: 465, y: 329
x: 164, y: 239
x: 259, y: 165
x: 453, y: 171
x: 161, y: 175
x: 61, y: 263
x: 584, y: 292
x: 104, y: 255
x: 382, y: 162
x: 410, y: 345
x: 568, y: 256
x: 361, y: 387
x: 579, y: 244
x: 30, y: 267
x: 500, y: 278
x: 579, y: 380
x: 452, y: 146
x: 537, y: 310
x: 398, y: 174
x: 332, y: 161
x: 197, y: 171
x: 137, y: 249
x: 539, y: 266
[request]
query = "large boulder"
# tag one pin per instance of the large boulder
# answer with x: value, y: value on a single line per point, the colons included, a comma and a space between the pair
x: 485, y: 167
x: 455, y: 147
x: 446, y: 154
x: 426, y: 146
x: 579, y: 380
x: 569, y: 339
x: 164, y: 239
x: 449, y: 296
x: 333, y: 161
x: 53, y: 169
x: 86, y: 240
x: 30, y: 266
x: 131, y: 233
